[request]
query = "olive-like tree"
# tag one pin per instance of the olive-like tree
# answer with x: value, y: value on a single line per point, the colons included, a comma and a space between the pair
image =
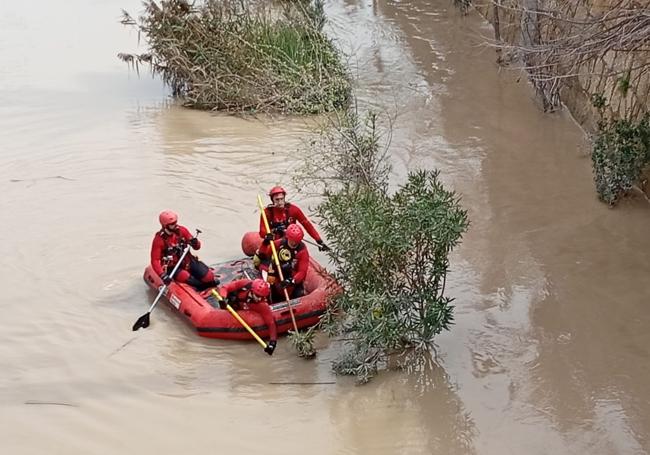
x: 390, y: 249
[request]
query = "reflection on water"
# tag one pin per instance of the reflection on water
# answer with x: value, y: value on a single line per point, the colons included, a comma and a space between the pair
x: 549, y: 351
x: 401, y: 414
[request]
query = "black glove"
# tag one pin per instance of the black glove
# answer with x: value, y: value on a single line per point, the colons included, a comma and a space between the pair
x: 231, y: 299
x: 286, y: 283
x: 194, y: 242
x: 267, y: 238
x: 270, y: 347
x: 166, y: 278
x: 322, y: 246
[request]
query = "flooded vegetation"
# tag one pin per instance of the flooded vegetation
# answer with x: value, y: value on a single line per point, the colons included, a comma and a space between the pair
x: 243, y: 56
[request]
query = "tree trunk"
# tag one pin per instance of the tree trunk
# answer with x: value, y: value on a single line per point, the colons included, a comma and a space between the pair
x: 531, y: 38
x: 497, y: 30
x: 529, y: 23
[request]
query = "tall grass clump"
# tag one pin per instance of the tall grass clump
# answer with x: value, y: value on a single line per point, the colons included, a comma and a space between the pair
x: 248, y: 55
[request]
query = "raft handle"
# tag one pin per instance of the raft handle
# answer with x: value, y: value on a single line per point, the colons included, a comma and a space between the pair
x: 187, y: 313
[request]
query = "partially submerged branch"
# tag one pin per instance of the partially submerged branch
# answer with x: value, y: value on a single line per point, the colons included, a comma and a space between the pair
x: 599, y: 52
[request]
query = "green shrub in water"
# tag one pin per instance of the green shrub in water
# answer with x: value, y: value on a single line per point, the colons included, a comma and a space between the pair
x: 390, y: 251
x: 620, y: 153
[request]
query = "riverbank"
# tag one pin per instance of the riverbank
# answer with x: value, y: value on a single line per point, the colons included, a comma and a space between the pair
x: 592, y: 59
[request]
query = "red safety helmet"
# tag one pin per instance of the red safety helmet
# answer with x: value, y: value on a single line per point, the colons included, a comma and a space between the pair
x: 260, y: 288
x: 295, y: 233
x: 276, y: 190
x: 167, y: 217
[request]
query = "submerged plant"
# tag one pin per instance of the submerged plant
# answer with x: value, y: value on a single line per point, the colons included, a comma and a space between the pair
x: 303, y: 342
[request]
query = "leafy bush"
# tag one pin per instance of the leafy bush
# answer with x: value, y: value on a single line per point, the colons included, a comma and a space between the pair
x: 620, y: 153
x: 390, y: 250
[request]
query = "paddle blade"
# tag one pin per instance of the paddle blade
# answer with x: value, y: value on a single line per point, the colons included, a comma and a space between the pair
x: 142, y: 322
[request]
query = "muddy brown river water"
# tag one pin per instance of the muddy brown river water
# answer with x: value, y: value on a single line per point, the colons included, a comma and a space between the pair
x: 549, y: 354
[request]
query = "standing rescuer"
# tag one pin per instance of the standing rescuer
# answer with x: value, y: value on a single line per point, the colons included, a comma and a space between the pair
x: 282, y: 214
x: 294, y: 260
x: 252, y: 294
x: 166, y: 249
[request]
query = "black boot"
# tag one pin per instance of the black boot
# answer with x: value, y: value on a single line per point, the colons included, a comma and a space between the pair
x: 196, y: 284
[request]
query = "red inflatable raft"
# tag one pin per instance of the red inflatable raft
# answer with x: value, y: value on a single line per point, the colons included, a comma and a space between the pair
x: 202, y: 310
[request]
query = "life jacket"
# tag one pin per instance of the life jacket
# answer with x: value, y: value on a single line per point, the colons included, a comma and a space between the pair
x: 286, y: 219
x: 173, y: 250
x: 287, y: 258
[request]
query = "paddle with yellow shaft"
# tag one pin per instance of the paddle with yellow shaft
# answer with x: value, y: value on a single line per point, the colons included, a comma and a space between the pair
x: 276, y: 260
x: 242, y: 322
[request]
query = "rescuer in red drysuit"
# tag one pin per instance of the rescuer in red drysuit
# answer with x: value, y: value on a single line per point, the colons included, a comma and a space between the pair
x: 280, y: 214
x: 294, y: 260
x: 166, y: 249
x: 253, y: 294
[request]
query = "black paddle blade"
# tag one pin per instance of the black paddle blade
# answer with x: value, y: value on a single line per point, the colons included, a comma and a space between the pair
x: 142, y: 322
